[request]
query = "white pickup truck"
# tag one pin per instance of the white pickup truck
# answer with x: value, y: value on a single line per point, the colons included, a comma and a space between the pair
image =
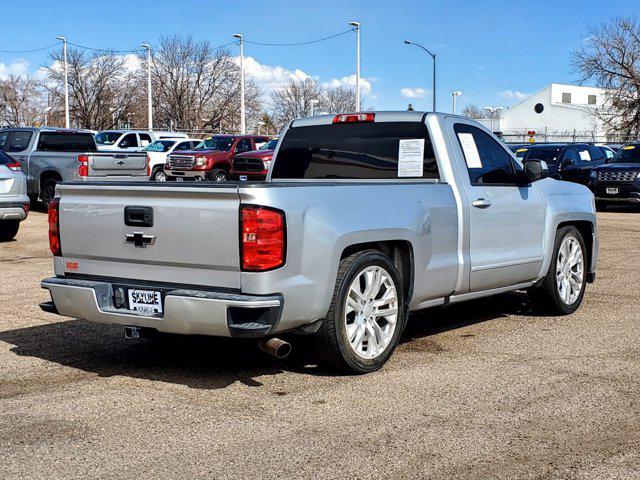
x: 363, y: 218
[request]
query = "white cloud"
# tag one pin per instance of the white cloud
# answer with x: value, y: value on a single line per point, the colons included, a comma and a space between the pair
x: 350, y: 82
x: 513, y: 95
x: 413, y: 92
x: 270, y: 78
x: 19, y: 67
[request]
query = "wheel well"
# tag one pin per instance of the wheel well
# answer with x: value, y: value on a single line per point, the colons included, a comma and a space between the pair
x: 50, y: 174
x: 586, y: 230
x: 401, y: 254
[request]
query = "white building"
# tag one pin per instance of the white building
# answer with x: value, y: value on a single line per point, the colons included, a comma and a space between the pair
x: 557, y: 112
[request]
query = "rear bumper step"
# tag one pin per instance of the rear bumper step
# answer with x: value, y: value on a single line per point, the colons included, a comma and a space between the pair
x: 185, y: 311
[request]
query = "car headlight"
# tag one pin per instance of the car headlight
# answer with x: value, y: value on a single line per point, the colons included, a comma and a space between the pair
x: 200, y: 161
x: 638, y: 176
x: 267, y: 163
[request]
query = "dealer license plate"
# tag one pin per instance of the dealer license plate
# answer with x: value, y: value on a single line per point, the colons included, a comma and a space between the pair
x: 145, y: 301
x: 613, y: 190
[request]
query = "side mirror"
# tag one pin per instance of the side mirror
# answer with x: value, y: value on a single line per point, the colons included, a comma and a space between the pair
x: 568, y: 162
x: 535, y: 170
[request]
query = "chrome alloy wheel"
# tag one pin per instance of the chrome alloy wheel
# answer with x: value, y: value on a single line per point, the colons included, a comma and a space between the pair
x: 371, y: 312
x: 570, y: 270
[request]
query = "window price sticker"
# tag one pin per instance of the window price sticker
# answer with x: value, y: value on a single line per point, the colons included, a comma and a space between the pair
x: 411, y: 157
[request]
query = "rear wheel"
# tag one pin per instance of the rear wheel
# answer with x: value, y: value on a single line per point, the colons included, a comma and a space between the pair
x: 48, y: 191
x: 366, y: 317
x: 8, y: 230
x: 562, y: 290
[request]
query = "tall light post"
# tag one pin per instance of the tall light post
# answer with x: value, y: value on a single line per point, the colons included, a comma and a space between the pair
x: 149, y: 97
x: 46, y: 115
x: 356, y: 25
x: 455, y: 96
x: 243, y: 124
x: 67, y: 120
x: 492, y: 113
x: 433, y: 55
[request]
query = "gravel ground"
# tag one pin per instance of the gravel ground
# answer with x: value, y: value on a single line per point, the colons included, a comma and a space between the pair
x: 485, y: 389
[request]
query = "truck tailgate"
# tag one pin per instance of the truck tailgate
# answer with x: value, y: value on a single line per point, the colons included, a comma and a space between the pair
x: 193, y: 239
x: 103, y: 164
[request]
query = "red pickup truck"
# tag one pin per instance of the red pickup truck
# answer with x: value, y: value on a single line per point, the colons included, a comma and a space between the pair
x: 212, y: 159
x: 254, y: 165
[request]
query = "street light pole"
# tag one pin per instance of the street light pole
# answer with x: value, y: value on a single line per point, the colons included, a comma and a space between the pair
x: 492, y: 112
x: 455, y: 95
x: 357, y: 28
x: 149, y: 96
x: 433, y: 56
x: 243, y: 124
x: 67, y: 120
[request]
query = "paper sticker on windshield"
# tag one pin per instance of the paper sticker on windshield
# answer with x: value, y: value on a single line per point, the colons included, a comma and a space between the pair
x: 584, y: 155
x: 411, y: 157
x: 470, y: 150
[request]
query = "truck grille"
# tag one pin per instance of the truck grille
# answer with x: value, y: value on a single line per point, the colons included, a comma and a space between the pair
x: 620, y: 177
x: 242, y: 164
x: 181, y: 161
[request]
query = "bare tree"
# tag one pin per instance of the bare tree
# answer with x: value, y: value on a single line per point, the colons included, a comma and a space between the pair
x: 102, y: 87
x: 197, y: 86
x: 473, y: 111
x: 338, y: 100
x: 294, y: 100
x: 610, y: 56
x: 21, y: 101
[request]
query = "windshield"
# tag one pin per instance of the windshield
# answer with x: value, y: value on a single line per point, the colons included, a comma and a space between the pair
x: 270, y: 145
x: 107, y: 138
x: 628, y: 154
x: 220, y: 144
x: 160, y: 146
x: 547, y: 154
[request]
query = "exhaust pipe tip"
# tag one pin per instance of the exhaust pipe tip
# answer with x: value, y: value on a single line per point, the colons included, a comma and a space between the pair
x: 275, y: 347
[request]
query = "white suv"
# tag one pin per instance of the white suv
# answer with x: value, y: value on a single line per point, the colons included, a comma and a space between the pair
x: 14, y: 202
x: 131, y: 140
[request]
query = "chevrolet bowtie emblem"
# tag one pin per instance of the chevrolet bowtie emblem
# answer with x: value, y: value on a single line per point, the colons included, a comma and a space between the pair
x: 139, y: 239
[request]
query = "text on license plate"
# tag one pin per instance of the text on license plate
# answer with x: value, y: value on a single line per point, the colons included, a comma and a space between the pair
x: 613, y: 190
x: 146, y: 301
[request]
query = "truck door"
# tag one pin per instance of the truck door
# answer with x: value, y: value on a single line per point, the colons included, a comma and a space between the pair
x: 17, y: 147
x: 506, y: 218
x: 129, y: 142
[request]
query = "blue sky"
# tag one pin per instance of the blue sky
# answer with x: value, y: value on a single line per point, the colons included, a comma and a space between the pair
x: 494, y: 51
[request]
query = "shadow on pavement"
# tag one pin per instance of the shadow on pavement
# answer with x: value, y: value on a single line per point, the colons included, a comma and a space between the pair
x: 211, y: 363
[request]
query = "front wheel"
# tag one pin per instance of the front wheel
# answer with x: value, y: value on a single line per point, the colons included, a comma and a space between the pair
x: 8, y: 230
x: 219, y: 176
x: 366, y: 317
x: 562, y: 290
x: 158, y: 175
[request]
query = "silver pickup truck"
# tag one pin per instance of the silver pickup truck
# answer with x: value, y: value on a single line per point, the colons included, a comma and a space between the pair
x: 49, y: 156
x: 363, y: 218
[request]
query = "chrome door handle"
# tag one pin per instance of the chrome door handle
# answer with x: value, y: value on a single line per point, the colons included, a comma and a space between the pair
x: 481, y: 203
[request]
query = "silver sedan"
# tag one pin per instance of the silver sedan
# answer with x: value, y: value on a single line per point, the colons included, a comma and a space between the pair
x: 14, y: 202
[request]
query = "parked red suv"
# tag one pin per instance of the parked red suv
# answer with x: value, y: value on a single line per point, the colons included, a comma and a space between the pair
x: 212, y: 158
x: 254, y: 165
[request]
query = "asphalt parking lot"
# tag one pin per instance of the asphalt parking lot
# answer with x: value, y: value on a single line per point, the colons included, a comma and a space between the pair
x: 486, y: 389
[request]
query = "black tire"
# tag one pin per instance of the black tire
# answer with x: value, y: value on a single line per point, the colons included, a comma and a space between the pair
x: 9, y: 230
x: 546, y: 297
x: 332, y: 343
x: 158, y: 175
x: 48, y: 191
x: 218, y: 175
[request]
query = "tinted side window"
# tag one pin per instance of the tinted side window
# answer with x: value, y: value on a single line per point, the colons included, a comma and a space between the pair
x: 5, y: 159
x: 487, y: 161
x: 4, y: 136
x: 584, y: 154
x: 129, y: 140
x: 596, y: 153
x: 66, y: 142
x: 244, y: 145
x: 19, y: 141
x: 145, y: 139
x: 184, y: 146
x: 350, y: 151
x: 570, y: 155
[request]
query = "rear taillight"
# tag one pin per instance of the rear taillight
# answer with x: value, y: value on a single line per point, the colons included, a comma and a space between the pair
x: 15, y: 166
x: 83, y: 169
x: 263, y: 244
x: 54, y: 227
x: 354, y: 118
x: 25, y: 207
x: 148, y: 165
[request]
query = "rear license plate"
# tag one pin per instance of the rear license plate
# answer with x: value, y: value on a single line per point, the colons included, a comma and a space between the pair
x: 145, y: 301
x: 613, y: 191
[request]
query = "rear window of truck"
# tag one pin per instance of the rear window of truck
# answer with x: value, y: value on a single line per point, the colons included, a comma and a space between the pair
x: 354, y: 151
x: 66, y: 142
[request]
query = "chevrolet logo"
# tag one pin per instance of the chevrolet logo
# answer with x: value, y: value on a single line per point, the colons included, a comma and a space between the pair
x: 139, y: 239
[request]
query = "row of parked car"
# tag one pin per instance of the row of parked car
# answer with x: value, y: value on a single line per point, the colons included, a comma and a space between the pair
x: 612, y: 174
x: 34, y: 160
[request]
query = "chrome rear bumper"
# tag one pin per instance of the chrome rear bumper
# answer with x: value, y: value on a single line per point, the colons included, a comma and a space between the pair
x: 185, y: 311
